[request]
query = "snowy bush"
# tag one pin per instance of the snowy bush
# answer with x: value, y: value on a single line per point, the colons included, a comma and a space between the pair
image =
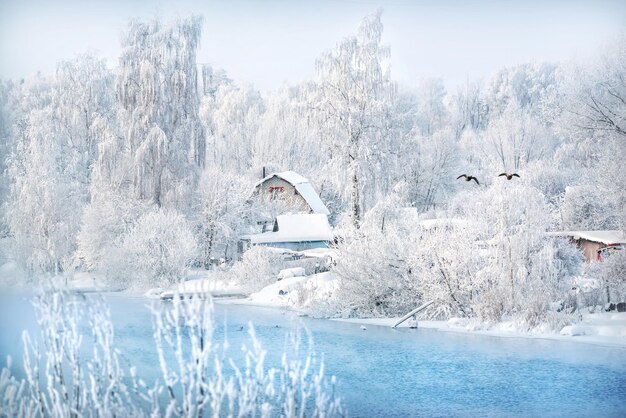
x: 258, y: 268
x: 63, y: 379
x: 106, y: 221
x: 489, y: 258
x: 375, y: 278
x: 158, y: 249
x: 197, y: 385
x: 14, y: 400
x: 523, y: 270
x: 447, y: 259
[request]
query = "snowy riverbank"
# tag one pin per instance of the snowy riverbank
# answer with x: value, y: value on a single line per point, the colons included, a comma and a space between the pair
x: 302, y: 293
x: 606, y: 329
x: 299, y: 294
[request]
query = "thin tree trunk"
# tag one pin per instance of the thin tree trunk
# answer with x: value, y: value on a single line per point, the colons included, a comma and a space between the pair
x: 356, y: 207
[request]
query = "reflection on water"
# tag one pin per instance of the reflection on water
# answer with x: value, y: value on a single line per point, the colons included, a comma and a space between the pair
x: 394, y: 373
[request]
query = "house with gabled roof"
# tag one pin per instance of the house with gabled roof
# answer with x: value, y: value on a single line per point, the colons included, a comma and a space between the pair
x: 291, y: 188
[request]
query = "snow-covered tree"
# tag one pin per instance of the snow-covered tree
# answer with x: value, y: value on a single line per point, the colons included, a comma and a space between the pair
x: 158, y: 96
x: 514, y: 139
x: 468, y: 109
x: 220, y: 213
x: 434, y: 160
x: 432, y: 112
x: 8, y: 93
x: 50, y: 166
x: 158, y: 248
x: 354, y: 88
x: 232, y: 119
x: 110, y: 216
x: 34, y: 213
x: 591, y: 108
x: 287, y: 136
x: 520, y: 276
x: 525, y: 86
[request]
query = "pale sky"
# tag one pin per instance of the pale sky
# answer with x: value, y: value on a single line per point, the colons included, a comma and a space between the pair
x: 267, y: 43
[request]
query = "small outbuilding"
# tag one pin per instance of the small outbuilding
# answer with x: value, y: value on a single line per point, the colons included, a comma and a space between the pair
x: 594, y: 244
x: 297, y: 232
x: 291, y: 188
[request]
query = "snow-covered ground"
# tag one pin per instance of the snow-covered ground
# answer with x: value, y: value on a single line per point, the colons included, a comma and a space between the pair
x: 606, y: 328
x: 200, y: 281
x: 297, y: 292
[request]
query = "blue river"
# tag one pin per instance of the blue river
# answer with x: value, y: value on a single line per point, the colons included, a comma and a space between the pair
x: 382, y: 372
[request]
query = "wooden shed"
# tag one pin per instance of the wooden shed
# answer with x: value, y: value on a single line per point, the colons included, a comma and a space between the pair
x: 594, y: 244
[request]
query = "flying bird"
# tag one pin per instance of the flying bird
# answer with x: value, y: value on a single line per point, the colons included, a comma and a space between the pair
x: 468, y: 178
x: 509, y: 176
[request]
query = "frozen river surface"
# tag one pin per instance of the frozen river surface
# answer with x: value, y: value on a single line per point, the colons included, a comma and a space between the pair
x: 383, y: 372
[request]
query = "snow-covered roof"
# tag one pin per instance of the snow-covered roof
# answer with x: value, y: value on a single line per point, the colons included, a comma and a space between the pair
x: 609, y: 237
x: 300, y: 227
x: 303, y: 187
x: 309, y: 194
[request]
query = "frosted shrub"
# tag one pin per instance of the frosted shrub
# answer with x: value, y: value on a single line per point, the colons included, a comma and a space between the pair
x: 105, y: 221
x: 14, y: 400
x: 523, y: 271
x: 62, y: 378
x: 375, y: 278
x: 447, y: 261
x: 159, y: 248
x: 196, y: 384
x: 534, y: 305
x: 258, y: 268
x: 73, y: 369
x: 544, y: 296
x: 492, y: 305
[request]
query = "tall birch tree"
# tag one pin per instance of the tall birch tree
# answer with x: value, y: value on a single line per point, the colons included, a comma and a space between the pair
x: 355, y: 88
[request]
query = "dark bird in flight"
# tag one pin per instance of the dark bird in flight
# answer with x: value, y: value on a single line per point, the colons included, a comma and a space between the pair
x: 468, y: 178
x: 509, y: 176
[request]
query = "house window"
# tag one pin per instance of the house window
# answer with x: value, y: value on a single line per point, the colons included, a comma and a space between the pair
x: 276, y: 190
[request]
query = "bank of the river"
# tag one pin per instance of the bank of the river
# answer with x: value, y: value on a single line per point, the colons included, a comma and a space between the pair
x: 301, y: 294
x: 605, y: 328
